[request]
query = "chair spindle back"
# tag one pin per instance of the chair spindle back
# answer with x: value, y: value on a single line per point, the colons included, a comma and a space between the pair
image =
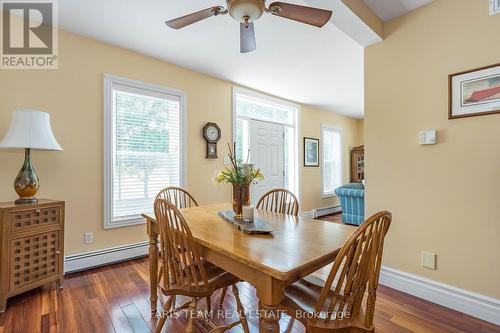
x: 181, y: 257
x: 279, y: 201
x: 179, y: 197
x: 356, y: 270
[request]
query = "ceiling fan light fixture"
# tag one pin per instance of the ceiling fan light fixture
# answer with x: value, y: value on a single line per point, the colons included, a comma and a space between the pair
x: 242, y: 10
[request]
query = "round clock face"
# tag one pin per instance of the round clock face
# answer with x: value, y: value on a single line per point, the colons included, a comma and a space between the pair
x: 212, y: 133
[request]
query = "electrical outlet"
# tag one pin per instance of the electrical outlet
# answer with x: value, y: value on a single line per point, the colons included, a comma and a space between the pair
x: 226, y: 160
x: 88, y: 238
x: 429, y: 260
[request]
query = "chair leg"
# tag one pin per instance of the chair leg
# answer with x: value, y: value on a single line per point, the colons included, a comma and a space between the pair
x: 259, y: 307
x: 222, y: 296
x: 173, y: 302
x: 241, y: 310
x: 289, y: 327
x: 160, y: 323
x: 169, y: 304
x: 192, y: 314
x: 209, y: 304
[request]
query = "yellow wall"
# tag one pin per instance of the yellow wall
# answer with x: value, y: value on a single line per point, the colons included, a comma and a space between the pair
x: 445, y: 197
x: 73, y: 96
x: 361, y: 131
x: 312, y: 177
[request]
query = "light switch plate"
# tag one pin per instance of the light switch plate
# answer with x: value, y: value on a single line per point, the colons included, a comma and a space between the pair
x: 427, y: 137
x: 428, y: 260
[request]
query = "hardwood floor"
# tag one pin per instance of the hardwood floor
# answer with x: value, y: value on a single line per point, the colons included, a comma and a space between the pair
x: 115, y: 299
x: 337, y: 218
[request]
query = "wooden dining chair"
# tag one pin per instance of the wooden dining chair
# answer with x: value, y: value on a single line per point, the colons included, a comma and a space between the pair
x: 346, y: 302
x: 279, y: 200
x: 179, y: 197
x: 185, y: 272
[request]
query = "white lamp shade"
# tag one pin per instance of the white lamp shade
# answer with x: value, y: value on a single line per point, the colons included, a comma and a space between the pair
x: 30, y: 129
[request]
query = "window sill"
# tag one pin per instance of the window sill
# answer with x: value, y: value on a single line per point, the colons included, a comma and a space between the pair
x: 124, y: 223
x: 328, y: 195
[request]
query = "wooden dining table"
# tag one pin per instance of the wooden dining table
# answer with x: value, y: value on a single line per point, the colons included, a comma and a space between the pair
x: 297, y: 247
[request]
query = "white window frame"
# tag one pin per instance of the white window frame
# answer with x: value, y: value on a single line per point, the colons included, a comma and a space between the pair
x: 296, y: 126
x: 494, y: 7
x: 340, y: 131
x: 108, y: 82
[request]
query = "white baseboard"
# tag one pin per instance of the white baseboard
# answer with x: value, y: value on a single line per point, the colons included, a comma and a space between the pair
x: 83, y: 261
x: 327, y: 211
x: 468, y: 302
x: 308, y: 215
x: 321, y: 212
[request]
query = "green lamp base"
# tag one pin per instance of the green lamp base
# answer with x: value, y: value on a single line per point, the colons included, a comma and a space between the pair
x: 26, y: 201
x: 26, y: 183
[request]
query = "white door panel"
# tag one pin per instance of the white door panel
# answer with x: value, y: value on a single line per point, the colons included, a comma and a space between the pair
x: 266, y: 152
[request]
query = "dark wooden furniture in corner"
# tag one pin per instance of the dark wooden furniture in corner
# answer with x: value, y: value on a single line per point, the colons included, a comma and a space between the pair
x: 357, y: 164
x: 31, y: 246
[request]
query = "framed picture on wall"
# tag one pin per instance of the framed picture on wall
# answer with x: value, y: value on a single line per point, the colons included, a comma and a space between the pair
x: 311, y: 152
x: 474, y: 92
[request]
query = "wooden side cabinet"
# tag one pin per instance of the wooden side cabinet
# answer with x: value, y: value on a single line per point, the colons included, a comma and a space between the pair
x: 31, y: 247
x: 357, y: 164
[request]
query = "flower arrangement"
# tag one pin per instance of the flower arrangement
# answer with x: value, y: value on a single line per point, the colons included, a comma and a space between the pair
x: 240, y: 175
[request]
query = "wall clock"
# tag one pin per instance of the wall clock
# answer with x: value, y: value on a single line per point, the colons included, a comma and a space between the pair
x: 212, y: 134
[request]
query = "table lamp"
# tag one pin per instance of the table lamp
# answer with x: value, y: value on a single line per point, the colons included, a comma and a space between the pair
x: 29, y: 129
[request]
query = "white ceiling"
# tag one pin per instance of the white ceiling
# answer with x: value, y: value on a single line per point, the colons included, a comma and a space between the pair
x: 320, y: 67
x: 388, y: 9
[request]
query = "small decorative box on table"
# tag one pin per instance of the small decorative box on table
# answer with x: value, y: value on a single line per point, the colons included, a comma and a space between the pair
x: 31, y: 246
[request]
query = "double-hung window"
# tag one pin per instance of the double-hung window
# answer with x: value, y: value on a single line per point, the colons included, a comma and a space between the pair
x: 332, y: 159
x: 143, y: 147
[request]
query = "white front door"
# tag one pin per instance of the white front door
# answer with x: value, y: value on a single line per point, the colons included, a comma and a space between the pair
x: 266, y: 152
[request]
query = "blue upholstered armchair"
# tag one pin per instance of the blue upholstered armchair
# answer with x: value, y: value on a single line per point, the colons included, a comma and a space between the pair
x: 352, y: 200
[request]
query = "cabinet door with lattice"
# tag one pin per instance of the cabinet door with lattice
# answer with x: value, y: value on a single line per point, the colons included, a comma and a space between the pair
x: 33, y: 259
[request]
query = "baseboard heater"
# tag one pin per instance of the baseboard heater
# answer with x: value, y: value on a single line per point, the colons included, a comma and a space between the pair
x: 326, y: 211
x: 83, y: 261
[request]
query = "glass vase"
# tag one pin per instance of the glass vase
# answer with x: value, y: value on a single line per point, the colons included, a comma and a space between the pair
x: 241, y: 197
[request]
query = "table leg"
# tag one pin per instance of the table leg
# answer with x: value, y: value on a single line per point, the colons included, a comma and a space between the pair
x: 153, y: 266
x: 3, y: 304
x: 270, y: 317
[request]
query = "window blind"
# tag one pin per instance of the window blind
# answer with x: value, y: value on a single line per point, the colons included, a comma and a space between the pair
x: 145, y: 150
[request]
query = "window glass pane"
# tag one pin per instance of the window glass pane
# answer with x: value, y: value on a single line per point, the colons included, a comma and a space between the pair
x: 256, y: 108
x: 332, y: 163
x: 146, y: 150
x: 242, y: 138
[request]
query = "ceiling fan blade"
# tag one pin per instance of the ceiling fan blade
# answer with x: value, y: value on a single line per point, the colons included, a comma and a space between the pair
x: 309, y: 15
x: 247, y: 38
x: 186, y: 20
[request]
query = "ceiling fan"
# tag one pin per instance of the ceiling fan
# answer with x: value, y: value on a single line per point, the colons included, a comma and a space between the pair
x: 248, y: 11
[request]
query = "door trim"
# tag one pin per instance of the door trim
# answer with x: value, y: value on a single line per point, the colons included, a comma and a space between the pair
x: 297, y: 127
